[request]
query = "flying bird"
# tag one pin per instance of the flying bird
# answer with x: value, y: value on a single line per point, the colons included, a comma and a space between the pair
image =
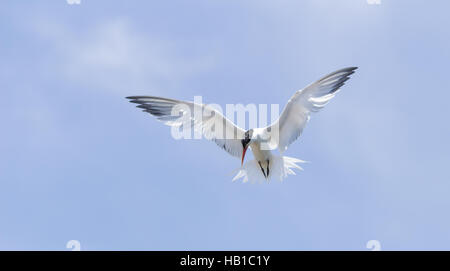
x: 235, y: 140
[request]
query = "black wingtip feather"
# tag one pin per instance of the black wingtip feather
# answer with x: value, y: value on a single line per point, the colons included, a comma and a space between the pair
x: 137, y: 102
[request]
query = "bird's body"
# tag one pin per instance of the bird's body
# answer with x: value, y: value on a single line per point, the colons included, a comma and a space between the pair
x: 262, y: 141
x: 264, y: 157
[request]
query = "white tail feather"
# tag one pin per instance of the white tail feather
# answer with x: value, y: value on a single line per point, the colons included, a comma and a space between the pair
x: 280, y: 167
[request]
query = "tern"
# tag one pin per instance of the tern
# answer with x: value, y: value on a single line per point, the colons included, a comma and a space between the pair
x: 235, y: 140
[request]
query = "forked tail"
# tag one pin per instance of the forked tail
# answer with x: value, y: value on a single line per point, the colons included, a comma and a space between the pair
x: 280, y: 167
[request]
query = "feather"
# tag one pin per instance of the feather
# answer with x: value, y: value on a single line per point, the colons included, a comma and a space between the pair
x: 280, y: 168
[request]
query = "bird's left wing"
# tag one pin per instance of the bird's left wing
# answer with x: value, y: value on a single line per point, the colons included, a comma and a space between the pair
x: 310, y: 99
x: 198, y: 117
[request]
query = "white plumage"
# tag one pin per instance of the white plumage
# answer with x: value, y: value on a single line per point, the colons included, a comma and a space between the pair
x: 281, y: 167
x: 236, y: 140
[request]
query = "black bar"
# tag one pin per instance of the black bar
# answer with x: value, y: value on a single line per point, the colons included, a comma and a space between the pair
x: 223, y: 260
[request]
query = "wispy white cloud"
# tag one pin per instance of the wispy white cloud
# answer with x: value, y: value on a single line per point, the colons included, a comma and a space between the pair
x: 115, y: 56
x: 112, y: 57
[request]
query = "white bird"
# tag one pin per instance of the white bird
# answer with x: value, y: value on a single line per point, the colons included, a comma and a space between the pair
x: 236, y: 140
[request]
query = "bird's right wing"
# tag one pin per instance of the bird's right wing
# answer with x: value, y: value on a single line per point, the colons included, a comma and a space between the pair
x: 310, y: 99
x: 211, y: 123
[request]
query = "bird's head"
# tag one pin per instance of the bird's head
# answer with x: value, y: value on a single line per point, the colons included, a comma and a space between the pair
x: 246, y: 142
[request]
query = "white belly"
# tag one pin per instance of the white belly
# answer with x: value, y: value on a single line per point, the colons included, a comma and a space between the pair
x: 261, y: 156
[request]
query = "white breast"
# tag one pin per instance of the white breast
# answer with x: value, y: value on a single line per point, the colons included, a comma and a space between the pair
x: 260, y: 155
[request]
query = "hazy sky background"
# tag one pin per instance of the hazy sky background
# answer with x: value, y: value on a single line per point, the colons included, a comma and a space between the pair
x: 80, y: 162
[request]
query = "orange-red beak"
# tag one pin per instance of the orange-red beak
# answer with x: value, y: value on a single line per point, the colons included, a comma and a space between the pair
x: 243, y: 155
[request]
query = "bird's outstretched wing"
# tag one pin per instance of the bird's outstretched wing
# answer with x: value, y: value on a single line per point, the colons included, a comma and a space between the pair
x: 211, y: 123
x: 296, y: 113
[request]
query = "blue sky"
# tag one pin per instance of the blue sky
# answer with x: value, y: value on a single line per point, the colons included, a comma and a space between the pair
x: 79, y: 162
